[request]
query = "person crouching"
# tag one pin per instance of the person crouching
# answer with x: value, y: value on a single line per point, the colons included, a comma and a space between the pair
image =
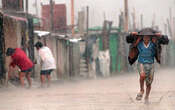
x: 20, y: 59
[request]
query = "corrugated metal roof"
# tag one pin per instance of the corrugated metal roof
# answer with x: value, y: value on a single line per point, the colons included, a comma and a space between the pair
x: 41, y: 33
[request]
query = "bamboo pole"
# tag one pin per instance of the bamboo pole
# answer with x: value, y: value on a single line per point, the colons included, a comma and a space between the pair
x: 81, y: 22
x: 21, y: 5
x: 27, y: 6
x: 171, y: 23
x: 173, y: 26
x: 51, y: 15
x: 72, y: 17
x: 169, y: 27
x: 36, y: 6
x: 87, y: 22
x: 134, y: 20
x: 141, y: 21
x: 153, y: 21
x: 126, y: 16
x: 165, y: 29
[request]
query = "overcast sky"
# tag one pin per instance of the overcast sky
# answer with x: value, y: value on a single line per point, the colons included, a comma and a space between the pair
x: 112, y: 8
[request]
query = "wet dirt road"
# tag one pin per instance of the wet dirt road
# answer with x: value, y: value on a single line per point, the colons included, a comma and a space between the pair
x: 114, y: 93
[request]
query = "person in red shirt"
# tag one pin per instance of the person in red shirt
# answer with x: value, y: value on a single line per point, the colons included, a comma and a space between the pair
x: 20, y: 59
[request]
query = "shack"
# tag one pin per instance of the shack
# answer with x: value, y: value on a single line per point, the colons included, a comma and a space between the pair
x: 116, y: 46
x: 16, y: 32
x: 66, y: 52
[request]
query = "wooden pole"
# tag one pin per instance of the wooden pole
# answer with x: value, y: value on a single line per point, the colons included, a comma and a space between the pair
x: 165, y: 29
x: 27, y: 6
x: 87, y: 22
x: 141, y: 21
x: 170, y: 14
x: 72, y: 17
x: 169, y: 28
x: 36, y: 6
x: 153, y: 21
x: 126, y: 16
x: 173, y: 26
x: 3, y: 4
x: 107, y: 26
x: 21, y: 5
x: 121, y: 21
x: 81, y: 22
x: 171, y: 23
x: 51, y: 15
x: 134, y: 20
x: 104, y: 16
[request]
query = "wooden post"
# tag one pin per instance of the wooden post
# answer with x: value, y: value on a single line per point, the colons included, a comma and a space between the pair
x: 3, y: 4
x: 104, y: 34
x: 21, y: 5
x: 107, y: 26
x: 81, y: 22
x: 153, y: 21
x: 165, y: 29
x: 173, y: 26
x: 104, y: 16
x: 72, y: 17
x: 51, y: 15
x: 87, y: 22
x: 169, y: 28
x: 141, y: 21
x: 171, y: 23
x: 36, y: 6
x: 170, y: 19
x: 126, y: 16
x: 121, y: 21
x: 134, y: 20
x: 27, y: 6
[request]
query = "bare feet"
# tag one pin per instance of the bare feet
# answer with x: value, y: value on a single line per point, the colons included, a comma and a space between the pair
x: 146, y: 100
x: 139, y: 96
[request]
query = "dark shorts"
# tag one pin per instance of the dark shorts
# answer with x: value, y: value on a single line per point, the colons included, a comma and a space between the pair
x: 28, y: 70
x: 46, y: 72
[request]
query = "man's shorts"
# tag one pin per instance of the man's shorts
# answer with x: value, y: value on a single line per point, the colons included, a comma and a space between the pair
x: 28, y: 70
x: 148, y: 69
x: 46, y: 72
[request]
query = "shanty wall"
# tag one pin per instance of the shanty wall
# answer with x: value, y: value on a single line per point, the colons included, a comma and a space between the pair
x: 14, y: 35
x: 117, y: 49
x: 2, y: 49
x: 63, y: 67
x: 68, y: 58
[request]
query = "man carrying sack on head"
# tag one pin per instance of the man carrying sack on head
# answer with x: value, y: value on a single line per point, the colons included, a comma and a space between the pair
x: 145, y: 46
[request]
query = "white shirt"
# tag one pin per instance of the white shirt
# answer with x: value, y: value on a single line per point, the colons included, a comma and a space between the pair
x: 47, y: 59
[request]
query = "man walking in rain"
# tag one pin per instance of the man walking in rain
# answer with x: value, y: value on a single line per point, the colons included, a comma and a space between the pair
x: 47, y: 62
x: 145, y: 48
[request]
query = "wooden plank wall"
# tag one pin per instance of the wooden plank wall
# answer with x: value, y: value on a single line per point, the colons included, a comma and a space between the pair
x: 76, y: 59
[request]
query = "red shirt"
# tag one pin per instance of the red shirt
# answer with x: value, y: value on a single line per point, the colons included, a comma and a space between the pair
x: 20, y: 59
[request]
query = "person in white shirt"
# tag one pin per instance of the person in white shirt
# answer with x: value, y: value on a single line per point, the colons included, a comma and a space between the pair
x: 47, y: 62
